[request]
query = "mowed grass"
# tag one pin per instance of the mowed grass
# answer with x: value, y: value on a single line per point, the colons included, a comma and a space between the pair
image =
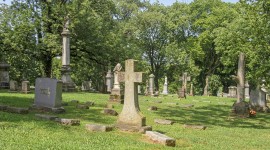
x: 223, y: 132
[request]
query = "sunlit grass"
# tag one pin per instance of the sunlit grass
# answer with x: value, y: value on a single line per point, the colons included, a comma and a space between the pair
x: 223, y: 132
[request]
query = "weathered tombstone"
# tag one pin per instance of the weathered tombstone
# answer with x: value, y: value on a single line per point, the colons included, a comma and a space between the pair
x: 240, y: 107
x: 85, y: 86
x: 109, y: 81
x: 191, y: 90
x: 146, y: 91
x: 68, y: 84
x: 131, y: 119
x: 48, y: 94
x: 25, y: 87
x: 116, y: 91
x: 151, y: 84
x: 13, y: 86
x: 246, y: 90
x: 232, y: 91
x: 182, y: 91
x: 4, y: 75
x: 258, y: 99
x: 165, y: 87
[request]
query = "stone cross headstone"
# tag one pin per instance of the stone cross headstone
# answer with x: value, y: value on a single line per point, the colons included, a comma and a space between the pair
x: 48, y: 93
x: 13, y: 85
x: 165, y: 87
x: 151, y: 84
x: 25, y: 87
x: 130, y: 119
x: 4, y: 75
x: 232, y: 91
x: 109, y: 80
x: 68, y: 84
x: 191, y: 90
x: 246, y: 90
x: 116, y: 91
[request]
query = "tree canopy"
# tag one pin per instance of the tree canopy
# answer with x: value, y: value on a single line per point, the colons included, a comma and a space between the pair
x: 202, y: 38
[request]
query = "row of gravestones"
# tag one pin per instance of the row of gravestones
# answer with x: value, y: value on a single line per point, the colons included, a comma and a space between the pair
x: 14, y: 87
x: 48, y: 96
x: 258, y: 97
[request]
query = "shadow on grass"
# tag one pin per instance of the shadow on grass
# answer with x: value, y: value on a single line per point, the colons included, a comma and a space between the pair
x: 213, y: 115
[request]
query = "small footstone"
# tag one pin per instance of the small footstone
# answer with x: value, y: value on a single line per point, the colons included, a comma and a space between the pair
x: 74, y: 101
x: 100, y: 128
x: 152, y: 108
x: 194, y: 126
x: 89, y: 103
x: 82, y: 107
x: 3, y: 107
x: 45, y: 117
x: 72, y: 122
x: 110, y: 112
x: 18, y: 110
x: 58, y: 110
x: 160, y: 138
x: 188, y: 106
x: 163, y: 121
x: 144, y: 129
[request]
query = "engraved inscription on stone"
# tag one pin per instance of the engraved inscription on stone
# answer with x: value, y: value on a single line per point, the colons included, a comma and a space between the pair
x: 45, y: 91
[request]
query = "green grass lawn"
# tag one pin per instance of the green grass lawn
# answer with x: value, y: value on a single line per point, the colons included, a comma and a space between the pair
x: 223, y: 132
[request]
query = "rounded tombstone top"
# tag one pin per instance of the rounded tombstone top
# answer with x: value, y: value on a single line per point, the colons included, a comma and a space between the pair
x: 151, y: 76
x: 118, y: 67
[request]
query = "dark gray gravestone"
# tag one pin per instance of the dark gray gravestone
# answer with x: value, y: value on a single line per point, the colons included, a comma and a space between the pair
x: 48, y: 93
x: 258, y: 99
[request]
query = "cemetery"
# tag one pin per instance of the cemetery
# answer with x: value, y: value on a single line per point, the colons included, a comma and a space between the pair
x: 134, y: 75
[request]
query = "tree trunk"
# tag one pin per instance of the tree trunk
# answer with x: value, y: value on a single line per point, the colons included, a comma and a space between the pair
x: 241, y: 78
x: 205, y: 91
x: 48, y: 66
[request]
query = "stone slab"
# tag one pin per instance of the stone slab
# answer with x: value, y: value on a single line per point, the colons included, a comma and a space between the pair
x: 110, y: 112
x: 89, y: 103
x: 96, y: 127
x: 172, y: 103
x: 18, y: 110
x: 144, y: 129
x: 72, y: 122
x: 82, y: 107
x: 74, y: 101
x: 200, y: 127
x: 45, y: 117
x: 3, y: 107
x: 160, y: 138
x: 152, y: 108
x: 163, y: 121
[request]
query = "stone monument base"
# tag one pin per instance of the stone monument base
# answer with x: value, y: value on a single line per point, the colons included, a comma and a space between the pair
x: 142, y: 129
x: 261, y: 108
x: 241, y: 109
x: 57, y: 110
x: 181, y: 93
x: 68, y: 87
x: 116, y: 98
